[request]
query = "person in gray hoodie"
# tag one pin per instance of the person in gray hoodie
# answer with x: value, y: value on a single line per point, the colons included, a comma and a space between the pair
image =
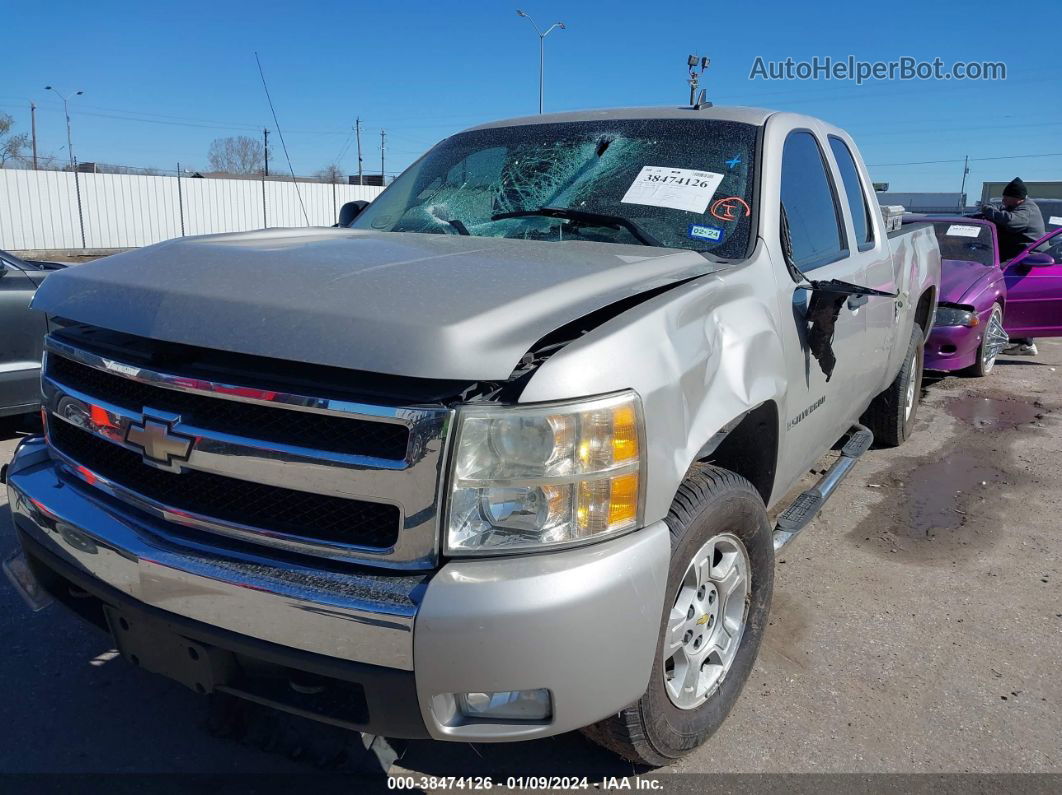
x: 1019, y: 223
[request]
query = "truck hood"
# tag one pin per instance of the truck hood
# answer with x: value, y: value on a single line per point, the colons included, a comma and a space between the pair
x: 428, y: 306
x: 961, y: 281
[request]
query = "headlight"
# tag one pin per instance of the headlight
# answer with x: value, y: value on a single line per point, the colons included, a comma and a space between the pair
x: 532, y: 477
x: 953, y: 316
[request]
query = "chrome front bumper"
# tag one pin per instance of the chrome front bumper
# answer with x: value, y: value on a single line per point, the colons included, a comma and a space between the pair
x: 583, y: 623
x: 369, y: 619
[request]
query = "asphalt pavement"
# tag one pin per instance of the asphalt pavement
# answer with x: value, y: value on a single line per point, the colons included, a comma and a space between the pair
x: 916, y: 627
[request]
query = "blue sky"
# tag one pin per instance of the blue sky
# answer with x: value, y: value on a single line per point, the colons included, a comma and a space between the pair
x: 161, y: 80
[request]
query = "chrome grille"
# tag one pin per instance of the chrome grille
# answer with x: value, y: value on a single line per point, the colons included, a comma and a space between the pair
x: 306, y: 429
x: 271, y: 508
x: 299, y: 473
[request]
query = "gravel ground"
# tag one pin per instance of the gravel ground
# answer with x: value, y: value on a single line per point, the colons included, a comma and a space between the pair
x: 916, y: 627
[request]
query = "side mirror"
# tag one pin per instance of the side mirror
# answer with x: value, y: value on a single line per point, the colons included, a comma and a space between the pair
x: 1038, y: 258
x: 351, y: 210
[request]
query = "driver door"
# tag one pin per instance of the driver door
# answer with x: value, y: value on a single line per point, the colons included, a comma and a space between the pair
x: 820, y: 407
x: 1034, y: 289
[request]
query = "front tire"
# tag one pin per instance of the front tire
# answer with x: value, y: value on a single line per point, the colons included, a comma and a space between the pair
x: 718, y: 596
x: 891, y: 415
x: 986, y: 358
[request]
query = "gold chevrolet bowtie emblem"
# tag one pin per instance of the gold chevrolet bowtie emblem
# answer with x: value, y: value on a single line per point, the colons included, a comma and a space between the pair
x: 159, y: 443
x: 703, y: 619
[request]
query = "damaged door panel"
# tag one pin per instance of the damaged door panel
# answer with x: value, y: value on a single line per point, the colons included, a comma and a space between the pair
x: 824, y: 308
x: 825, y: 358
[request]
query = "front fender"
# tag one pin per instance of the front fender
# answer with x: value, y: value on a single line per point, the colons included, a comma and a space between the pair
x: 699, y: 356
x: 986, y: 292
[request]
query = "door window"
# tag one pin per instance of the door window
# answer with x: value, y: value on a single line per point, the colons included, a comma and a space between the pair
x: 809, y: 204
x: 853, y: 189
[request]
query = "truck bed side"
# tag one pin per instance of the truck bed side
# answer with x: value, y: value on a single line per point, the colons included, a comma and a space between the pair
x: 916, y: 263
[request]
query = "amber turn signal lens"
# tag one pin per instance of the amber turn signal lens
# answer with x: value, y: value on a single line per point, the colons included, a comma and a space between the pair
x: 623, y: 501
x: 624, y: 434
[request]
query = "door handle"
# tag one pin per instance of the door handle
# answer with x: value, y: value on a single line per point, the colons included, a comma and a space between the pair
x: 856, y: 301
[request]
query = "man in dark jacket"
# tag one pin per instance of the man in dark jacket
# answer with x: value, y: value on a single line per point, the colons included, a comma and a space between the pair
x: 1019, y: 223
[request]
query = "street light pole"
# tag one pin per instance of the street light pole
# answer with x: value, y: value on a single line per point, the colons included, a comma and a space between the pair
x: 541, y: 51
x: 66, y: 110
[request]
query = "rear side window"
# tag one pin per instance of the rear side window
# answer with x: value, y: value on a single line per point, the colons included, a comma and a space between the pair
x: 809, y: 204
x: 853, y: 188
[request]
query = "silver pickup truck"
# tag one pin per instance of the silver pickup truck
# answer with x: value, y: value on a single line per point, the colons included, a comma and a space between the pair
x: 495, y: 461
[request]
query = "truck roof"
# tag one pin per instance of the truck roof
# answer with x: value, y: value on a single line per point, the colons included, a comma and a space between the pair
x: 757, y: 116
x: 725, y: 113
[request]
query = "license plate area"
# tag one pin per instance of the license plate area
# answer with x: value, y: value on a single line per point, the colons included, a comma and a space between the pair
x: 18, y: 573
x: 150, y: 645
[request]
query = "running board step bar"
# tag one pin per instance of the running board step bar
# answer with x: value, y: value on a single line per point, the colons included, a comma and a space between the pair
x: 807, y: 505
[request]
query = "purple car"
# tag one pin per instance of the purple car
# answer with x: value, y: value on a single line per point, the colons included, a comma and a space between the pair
x: 982, y: 301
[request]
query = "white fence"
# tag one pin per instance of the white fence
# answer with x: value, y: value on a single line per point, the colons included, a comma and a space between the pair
x: 43, y: 209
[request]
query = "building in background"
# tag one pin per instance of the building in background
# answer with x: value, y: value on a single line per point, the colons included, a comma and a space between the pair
x: 925, y: 202
x: 366, y: 179
x: 1037, y: 190
x: 44, y: 210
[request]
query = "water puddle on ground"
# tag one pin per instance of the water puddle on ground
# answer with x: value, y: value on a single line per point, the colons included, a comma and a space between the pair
x: 944, y: 495
x: 991, y: 414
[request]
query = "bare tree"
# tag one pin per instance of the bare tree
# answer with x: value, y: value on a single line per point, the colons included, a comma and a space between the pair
x: 237, y: 155
x: 12, y: 145
x: 46, y: 162
x: 331, y: 173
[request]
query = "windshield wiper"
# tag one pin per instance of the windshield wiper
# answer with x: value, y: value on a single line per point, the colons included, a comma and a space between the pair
x: 588, y: 218
x: 459, y: 226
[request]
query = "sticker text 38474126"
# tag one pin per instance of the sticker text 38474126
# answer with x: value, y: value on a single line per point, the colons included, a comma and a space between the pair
x: 675, y: 188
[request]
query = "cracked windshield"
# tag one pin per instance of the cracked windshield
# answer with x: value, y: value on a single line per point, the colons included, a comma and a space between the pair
x: 670, y: 182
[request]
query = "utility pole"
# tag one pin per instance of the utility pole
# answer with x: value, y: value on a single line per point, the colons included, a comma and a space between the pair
x: 357, y: 132
x: 33, y: 131
x: 383, y: 179
x: 180, y: 198
x: 80, y: 212
x: 962, y: 190
x: 265, y: 173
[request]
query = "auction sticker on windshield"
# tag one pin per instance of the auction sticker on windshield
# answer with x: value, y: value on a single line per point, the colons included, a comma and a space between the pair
x: 963, y: 230
x: 676, y: 188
